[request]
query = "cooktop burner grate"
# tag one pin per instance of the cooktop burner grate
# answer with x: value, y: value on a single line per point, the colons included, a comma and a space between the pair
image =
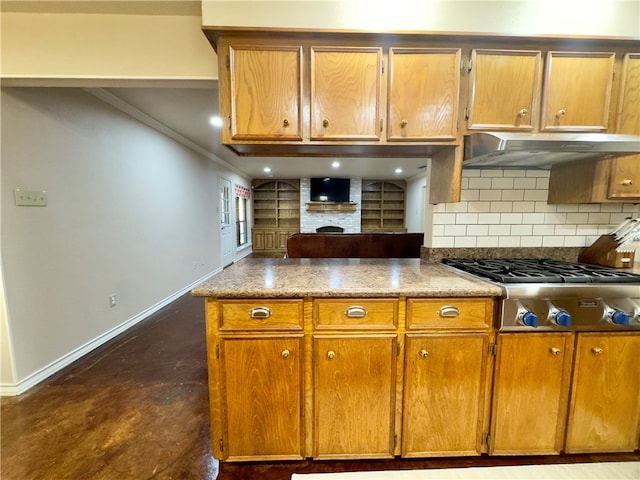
x: 531, y: 270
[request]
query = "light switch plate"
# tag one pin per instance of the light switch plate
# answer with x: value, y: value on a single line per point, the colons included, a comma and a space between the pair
x: 30, y: 198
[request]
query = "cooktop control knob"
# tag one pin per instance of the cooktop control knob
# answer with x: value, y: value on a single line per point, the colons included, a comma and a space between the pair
x: 558, y: 316
x: 620, y: 318
x: 529, y: 318
x: 563, y: 318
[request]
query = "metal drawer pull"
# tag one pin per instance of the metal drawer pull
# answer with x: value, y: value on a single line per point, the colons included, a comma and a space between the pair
x: 449, y: 311
x: 561, y: 113
x: 523, y: 112
x: 423, y: 353
x: 627, y: 182
x: 331, y: 354
x: 260, y: 313
x: 555, y: 351
x: 356, y: 312
x: 597, y: 351
x: 285, y: 122
x: 285, y: 353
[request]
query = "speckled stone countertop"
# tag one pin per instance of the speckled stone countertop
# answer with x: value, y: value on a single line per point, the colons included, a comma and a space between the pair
x: 306, y: 277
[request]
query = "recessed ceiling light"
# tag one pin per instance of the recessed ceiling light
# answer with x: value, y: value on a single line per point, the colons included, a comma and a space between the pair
x: 215, y: 121
x: 335, y: 164
x: 398, y: 170
x: 266, y: 170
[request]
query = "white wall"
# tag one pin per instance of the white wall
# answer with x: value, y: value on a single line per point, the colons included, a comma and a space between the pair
x: 415, y: 204
x: 130, y: 212
x: 521, y: 17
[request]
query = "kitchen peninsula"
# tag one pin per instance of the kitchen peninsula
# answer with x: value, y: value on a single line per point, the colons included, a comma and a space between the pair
x: 347, y: 358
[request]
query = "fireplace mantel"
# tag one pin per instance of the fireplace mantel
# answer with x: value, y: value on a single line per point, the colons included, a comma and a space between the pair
x: 331, y: 206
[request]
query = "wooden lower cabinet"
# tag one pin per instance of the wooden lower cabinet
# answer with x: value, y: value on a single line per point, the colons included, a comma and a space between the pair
x: 444, y: 392
x: 262, y: 382
x: 354, y: 392
x: 604, y: 410
x: 531, y: 392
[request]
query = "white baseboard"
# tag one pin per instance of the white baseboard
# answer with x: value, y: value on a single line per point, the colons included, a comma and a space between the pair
x: 57, y: 365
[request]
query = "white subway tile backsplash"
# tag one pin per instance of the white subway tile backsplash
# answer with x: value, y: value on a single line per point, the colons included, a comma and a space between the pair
x: 467, y: 218
x: 535, y: 195
x: 513, y: 195
x: 512, y: 218
x: 524, y: 183
x: 501, y: 207
x: 465, y: 242
x: 477, y: 230
x: 499, y: 230
x: 508, y: 208
x: 489, y: 218
x: 531, y: 241
x: 480, y: 183
x: 453, y: 230
x: 502, y: 183
x: 489, y: 195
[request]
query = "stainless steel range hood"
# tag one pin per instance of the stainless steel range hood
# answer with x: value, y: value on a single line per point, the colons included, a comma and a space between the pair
x: 542, y: 150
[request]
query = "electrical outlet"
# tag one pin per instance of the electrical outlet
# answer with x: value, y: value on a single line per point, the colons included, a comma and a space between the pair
x: 30, y: 198
x: 112, y: 300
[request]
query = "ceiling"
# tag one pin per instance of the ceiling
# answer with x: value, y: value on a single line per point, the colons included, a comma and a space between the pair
x: 187, y: 111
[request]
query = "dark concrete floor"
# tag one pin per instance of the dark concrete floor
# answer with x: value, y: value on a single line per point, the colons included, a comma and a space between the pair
x: 137, y: 408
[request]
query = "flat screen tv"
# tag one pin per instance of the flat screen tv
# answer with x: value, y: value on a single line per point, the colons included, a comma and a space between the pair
x: 329, y: 189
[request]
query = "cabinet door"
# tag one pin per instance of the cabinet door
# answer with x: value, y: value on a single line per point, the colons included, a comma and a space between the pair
x: 530, y: 393
x: 423, y: 93
x: 624, y: 178
x: 505, y: 89
x: 346, y: 85
x: 629, y: 105
x: 577, y: 91
x: 444, y: 389
x: 354, y: 377
x: 605, y: 394
x: 266, y: 92
x: 262, y: 398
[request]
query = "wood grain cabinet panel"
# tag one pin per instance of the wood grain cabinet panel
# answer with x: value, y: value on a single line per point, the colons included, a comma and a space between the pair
x: 604, y: 411
x: 354, y: 388
x: 444, y: 392
x: 424, y: 87
x: 346, y: 93
x: 504, y: 89
x: 629, y: 104
x: 266, y: 92
x: 531, y: 393
x: 577, y: 91
x: 263, y: 398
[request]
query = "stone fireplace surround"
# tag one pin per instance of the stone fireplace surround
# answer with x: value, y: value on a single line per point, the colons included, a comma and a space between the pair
x: 350, y: 221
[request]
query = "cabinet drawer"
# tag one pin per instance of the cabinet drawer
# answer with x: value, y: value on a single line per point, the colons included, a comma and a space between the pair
x: 256, y: 315
x: 355, y: 313
x: 449, y: 313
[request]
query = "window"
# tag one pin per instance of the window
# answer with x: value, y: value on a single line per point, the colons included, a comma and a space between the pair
x: 242, y: 195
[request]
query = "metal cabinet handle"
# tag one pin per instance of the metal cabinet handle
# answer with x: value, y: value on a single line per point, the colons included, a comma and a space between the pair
x: 523, y: 112
x: 325, y: 123
x: 356, y: 312
x: 423, y: 353
x: 597, y: 351
x: 449, y: 311
x: 627, y: 182
x: 260, y: 313
x: 331, y: 354
x: 404, y: 123
x: 561, y: 113
x: 554, y: 351
x: 285, y: 122
x: 285, y: 353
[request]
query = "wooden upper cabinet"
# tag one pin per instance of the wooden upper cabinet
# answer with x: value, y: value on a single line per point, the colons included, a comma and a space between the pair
x: 577, y: 91
x: 504, y: 89
x: 346, y: 91
x: 423, y: 94
x: 266, y: 92
x: 629, y: 105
